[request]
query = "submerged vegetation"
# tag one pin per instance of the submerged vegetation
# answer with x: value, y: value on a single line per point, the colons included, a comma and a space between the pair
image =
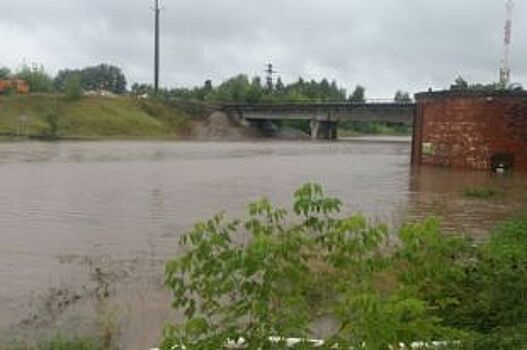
x: 62, y: 343
x: 480, y: 192
x: 275, y: 274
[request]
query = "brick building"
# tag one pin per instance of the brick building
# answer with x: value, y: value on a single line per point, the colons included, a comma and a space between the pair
x: 471, y: 130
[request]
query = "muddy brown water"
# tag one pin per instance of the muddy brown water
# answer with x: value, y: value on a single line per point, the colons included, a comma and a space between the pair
x: 86, y: 227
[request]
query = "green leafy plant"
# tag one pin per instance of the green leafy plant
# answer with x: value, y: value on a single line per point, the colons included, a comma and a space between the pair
x: 255, y: 279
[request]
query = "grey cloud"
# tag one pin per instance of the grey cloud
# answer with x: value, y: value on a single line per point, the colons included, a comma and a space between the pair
x: 383, y: 44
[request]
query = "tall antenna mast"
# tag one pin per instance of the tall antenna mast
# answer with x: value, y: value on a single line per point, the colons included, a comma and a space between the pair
x: 505, y: 70
x: 157, y: 10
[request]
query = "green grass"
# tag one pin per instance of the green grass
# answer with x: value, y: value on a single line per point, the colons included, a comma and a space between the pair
x: 480, y: 192
x: 92, y: 117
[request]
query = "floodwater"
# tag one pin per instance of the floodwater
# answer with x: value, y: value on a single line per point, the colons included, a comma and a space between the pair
x: 85, y: 228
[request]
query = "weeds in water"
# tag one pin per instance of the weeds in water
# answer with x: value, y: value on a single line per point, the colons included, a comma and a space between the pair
x: 480, y: 192
x: 61, y: 343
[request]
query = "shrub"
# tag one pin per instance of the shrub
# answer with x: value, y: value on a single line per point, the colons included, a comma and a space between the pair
x: 253, y: 279
x: 261, y: 277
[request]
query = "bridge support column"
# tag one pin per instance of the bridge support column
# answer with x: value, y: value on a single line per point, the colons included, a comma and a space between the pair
x: 323, y: 130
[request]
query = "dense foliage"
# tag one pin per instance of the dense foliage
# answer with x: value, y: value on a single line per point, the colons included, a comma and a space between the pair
x: 5, y: 72
x: 243, y: 89
x: 274, y: 275
x: 102, y: 77
x: 36, y: 77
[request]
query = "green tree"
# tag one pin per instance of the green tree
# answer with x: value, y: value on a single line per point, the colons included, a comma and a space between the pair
x: 5, y: 73
x: 234, y: 89
x: 36, y: 77
x: 256, y: 91
x: 358, y: 95
x: 59, y: 82
x: 402, y: 96
x: 460, y: 84
x: 73, y: 87
x: 104, y: 77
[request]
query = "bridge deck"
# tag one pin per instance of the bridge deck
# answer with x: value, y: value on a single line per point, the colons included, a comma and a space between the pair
x: 393, y: 112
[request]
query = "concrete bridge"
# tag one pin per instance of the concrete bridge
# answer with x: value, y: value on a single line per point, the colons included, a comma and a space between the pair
x: 324, y: 116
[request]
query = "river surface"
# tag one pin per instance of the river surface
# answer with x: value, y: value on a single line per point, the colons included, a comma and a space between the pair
x: 86, y: 227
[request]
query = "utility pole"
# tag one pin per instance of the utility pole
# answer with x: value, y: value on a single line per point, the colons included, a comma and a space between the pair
x: 269, y: 76
x: 157, y: 10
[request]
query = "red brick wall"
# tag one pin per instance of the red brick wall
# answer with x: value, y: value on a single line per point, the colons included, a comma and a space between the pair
x: 465, y: 130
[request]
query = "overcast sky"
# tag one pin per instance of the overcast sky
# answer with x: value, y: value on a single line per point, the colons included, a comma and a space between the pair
x: 383, y: 44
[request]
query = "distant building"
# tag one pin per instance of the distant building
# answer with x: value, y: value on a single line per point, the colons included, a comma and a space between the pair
x: 16, y: 85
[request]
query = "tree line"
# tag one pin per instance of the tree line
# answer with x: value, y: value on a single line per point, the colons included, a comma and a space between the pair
x: 102, y: 77
x: 241, y: 88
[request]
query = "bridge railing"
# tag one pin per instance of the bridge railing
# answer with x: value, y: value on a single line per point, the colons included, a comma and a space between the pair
x: 315, y: 104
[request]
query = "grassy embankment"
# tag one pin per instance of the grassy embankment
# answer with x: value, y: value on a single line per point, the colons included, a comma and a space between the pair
x: 55, y: 117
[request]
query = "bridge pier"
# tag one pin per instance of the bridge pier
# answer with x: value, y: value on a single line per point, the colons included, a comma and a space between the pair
x: 323, y: 130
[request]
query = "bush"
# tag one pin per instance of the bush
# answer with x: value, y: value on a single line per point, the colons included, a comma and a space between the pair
x: 256, y: 278
x: 272, y: 275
